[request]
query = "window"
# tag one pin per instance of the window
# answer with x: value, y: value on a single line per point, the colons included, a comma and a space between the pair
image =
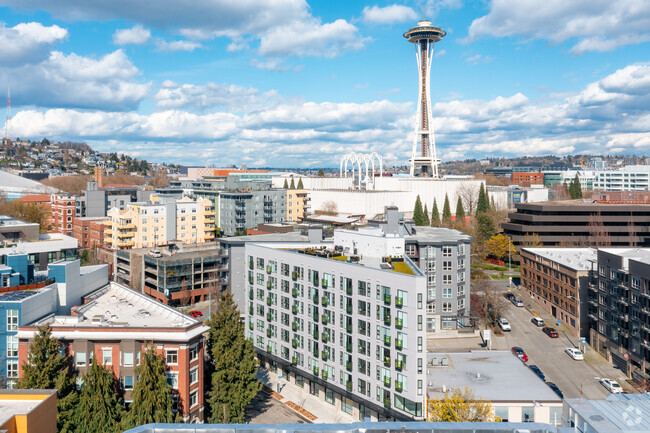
x: 446, y: 279
x: 300, y: 380
x: 194, y: 398
x: 502, y: 413
x: 12, y: 346
x: 81, y: 359
x: 172, y: 379
x: 12, y: 320
x: 461, y: 303
x: 194, y: 375
x: 446, y: 307
x: 527, y: 414
x: 446, y: 265
x: 461, y: 277
x: 128, y: 359
x: 12, y: 369
x: 127, y: 381
x: 446, y: 251
x: 194, y: 352
x: 446, y: 292
x: 329, y: 396
x: 107, y: 356
x: 172, y: 356
x: 347, y: 405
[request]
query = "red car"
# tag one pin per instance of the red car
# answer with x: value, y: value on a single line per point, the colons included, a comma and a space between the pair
x: 195, y: 313
x: 519, y: 353
x: 551, y: 332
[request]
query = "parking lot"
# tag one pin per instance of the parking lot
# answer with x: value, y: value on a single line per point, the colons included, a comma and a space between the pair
x: 548, y: 354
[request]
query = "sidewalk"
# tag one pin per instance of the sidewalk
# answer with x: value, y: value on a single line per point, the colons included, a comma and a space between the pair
x: 292, y: 395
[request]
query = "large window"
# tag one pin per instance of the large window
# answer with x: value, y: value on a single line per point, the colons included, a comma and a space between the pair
x: 12, y: 320
x: 172, y: 379
x: 12, y: 369
x: 502, y: 413
x: 194, y: 399
x: 172, y: 356
x: 194, y: 375
x: 128, y: 359
x: 128, y: 382
x: 81, y: 359
x: 107, y: 356
x: 194, y: 352
x: 12, y: 346
x: 528, y: 414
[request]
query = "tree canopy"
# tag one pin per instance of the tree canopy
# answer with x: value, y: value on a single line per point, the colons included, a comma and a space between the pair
x: 446, y: 213
x: 435, y: 215
x: 460, y: 406
x: 498, y: 246
x: 321, y: 173
x: 426, y: 216
x: 100, y: 407
x: 418, y: 213
x: 300, y: 185
x: 286, y: 184
x: 293, y: 184
x: 460, y: 214
x: 483, y: 203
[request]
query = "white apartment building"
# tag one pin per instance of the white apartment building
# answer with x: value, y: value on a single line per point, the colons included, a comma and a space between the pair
x: 344, y: 319
x: 629, y: 178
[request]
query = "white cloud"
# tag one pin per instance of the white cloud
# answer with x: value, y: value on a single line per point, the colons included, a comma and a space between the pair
x: 28, y: 43
x: 478, y: 58
x: 311, y: 38
x: 389, y: 14
x: 607, y: 115
x: 596, y: 25
x: 271, y: 64
x: 163, y: 45
x: 136, y: 35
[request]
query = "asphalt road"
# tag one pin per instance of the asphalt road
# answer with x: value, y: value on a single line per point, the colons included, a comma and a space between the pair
x: 548, y: 354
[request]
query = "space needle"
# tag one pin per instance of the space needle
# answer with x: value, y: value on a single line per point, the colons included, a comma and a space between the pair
x: 424, y: 160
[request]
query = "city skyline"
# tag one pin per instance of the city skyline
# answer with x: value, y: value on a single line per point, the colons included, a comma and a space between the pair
x: 302, y: 84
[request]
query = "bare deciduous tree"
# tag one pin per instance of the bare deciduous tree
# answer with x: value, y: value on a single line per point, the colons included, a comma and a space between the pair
x: 598, y: 235
x: 468, y: 193
x: 330, y: 207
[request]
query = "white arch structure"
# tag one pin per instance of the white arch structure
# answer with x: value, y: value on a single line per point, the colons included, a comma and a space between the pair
x: 362, y: 161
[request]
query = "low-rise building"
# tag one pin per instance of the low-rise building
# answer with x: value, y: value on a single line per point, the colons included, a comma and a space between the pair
x: 88, y: 231
x: 28, y: 410
x: 558, y: 280
x: 528, y: 179
x: 241, y: 210
x: 297, y: 204
x: 618, y: 413
x: 515, y: 392
x: 63, y: 212
x: 628, y: 178
x: 344, y: 317
x: 45, y: 249
x: 13, y: 230
x: 114, y: 325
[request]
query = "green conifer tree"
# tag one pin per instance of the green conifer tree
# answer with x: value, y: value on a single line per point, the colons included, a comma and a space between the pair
x: 483, y: 203
x: 418, y: 213
x: 460, y: 214
x: 47, y: 368
x: 427, y: 222
x: 435, y: 215
x: 100, y: 407
x: 446, y: 213
x: 577, y: 188
x: 233, y: 381
x: 486, y: 228
x: 321, y: 173
x: 300, y: 185
x: 286, y: 184
x: 293, y: 185
x: 152, y: 400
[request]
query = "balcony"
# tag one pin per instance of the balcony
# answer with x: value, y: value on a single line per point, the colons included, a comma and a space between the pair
x: 325, y: 355
x: 294, y: 343
x: 387, y: 402
x: 325, y: 337
x: 386, y: 320
x: 348, y: 365
x: 294, y: 293
x: 294, y: 326
x: 294, y: 276
x: 387, y: 381
x: 348, y: 385
x: 399, y: 365
x: 398, y: 344
x: 387, y: 361
x: 387, y: 340
x: 324, y: 376
x: 398, y: 386
x: 269, y: 301
x: 269, y: 317
x: 398, y: 323
x: 294, y: 361
x: 316, y: 371
x: 348, y: 308
x: 294, y: 309
x: 325, y: 320
x: 387, y: 299
x: 399, y: 302
x: 324, y: 283
x: 325, y: 301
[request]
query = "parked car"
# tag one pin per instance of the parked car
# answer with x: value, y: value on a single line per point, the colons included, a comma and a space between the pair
x: 574, y: 353
x: 504, y: 324
x: 155, y: 253
x: 611, y: 385
x: 555, y: 389
x: 510, y: 296
x: 517, y: 302
x: 535, y: 369
x: 551, y: 332
x: 195, y: 313
x: 519, y: 353
x: 537, y: 321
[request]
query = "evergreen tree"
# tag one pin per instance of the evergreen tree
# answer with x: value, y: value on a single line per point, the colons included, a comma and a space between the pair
x: 286, y: 184
x: 446, y: 213
x: 300, y: 185
x: 460, y: 213
x: 435, y: 215
x: 493, y: 206
x: 100, y: 407
x: 321, y: 173
x: 418, y: 213
x: 47, y: 368
x: 486, y: 228
x: 577, y: 188
x: 152, y: 399
x: 483, y: 203
x: 233, y: 381
x: 427, y: 222
x: 293, y: 185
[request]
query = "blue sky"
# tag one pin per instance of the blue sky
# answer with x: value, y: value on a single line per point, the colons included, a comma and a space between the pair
x: 292, y: 83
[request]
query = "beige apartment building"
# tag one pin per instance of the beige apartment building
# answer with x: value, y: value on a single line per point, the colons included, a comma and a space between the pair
x: 297, y: 204
x: 145, y: 225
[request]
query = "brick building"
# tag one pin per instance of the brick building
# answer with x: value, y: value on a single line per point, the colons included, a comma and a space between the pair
x: 114, y: 324
x: 528, y: 178
x: 63, y: 213
x: 89, y: 232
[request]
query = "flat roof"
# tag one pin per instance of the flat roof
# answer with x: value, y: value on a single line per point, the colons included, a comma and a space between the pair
x: 618, y: 413
x: 270, y: 237
x: 577, y: 259
x: 437, y: 234
x: 11, y: 407
x: 117, y: 305
x: 637, y: 254
x: 494, y: 375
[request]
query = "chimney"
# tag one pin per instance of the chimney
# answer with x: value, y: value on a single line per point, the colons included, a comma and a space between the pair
x: 391, y: 214
x: 315, y: 233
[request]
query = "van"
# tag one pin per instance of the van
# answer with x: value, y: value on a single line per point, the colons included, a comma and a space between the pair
x: 537, y: 321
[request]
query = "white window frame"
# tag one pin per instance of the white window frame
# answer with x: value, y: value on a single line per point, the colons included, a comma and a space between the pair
x: 169, y: 352
x: 78, y: 362
x: 194, y: 371
x: 110, y: 357
x: 12, y: 320
x: 124, y: 359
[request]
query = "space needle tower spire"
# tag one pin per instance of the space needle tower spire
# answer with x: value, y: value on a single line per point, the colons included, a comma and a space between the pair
x: 424, y: 161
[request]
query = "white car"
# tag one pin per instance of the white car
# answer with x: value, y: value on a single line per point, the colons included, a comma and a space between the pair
x: 504, y: 324
x: 155, y: 253
x: 574, y: 353
x: 611, y: 385
x: 517, y: 302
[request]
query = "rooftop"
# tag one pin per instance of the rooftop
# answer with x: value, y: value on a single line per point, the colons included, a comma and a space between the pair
x: 271, y: 237
x: 619, y: 413
x: 438, y: 234
x: 577, y: 259
x: 20, y: 402
x: 637, y: 254
x: 18, y: 295
x: 118, y: 306
x: 494, y: 375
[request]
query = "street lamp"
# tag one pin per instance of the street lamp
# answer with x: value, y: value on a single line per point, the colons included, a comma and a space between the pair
x: 582, y: 381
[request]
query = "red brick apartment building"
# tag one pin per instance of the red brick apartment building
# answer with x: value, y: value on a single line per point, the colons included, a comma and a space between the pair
x: 89, y: 231
x: 528, y: 178
x: 114, y: 324
x: 63, y: 213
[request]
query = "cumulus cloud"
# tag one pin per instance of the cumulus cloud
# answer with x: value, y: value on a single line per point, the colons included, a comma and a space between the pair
x: 389, y: 14
x: 283, y: 27
x: 108, y: 82
x: 28, y: 42
x: 608, y: 115
x: 136, y: 35
x: 163, y: 45
x: 595, y: 25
